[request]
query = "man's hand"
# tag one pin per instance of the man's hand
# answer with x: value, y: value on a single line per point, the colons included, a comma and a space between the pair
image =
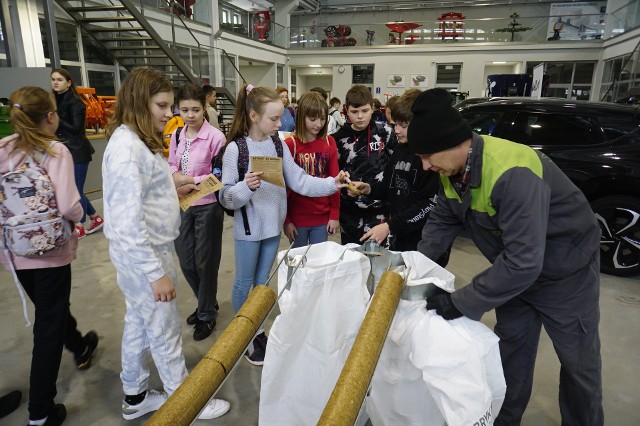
x: 290, y: 231
x: 163, y: 289
x: 444, y: 306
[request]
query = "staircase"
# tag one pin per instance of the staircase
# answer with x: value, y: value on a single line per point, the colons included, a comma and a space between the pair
x: 225, y: 103
x: 129, y: 38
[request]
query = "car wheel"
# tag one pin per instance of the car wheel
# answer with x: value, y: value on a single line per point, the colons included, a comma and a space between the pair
x: 619, y: 220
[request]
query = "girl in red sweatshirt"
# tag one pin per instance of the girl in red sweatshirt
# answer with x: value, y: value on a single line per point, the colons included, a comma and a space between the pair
x: 310, y: 219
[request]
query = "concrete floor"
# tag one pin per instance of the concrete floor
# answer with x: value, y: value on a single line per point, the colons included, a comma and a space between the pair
x: 93, y: 397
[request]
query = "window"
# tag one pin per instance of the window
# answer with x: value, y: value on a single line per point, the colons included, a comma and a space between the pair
x: 620, y: 74
x: 363, y: 74
x: 448, y: 76
x: 103, y: 82
x: 294, y: 83
x: 584, y: 72
x: 279, y: 75
x: 76, y: 74
x: 572, y: 80
x: 225, y: 17
x: 95, y: 52
x: 3, y: 40
x: 542, y: 129
x: 615, y: 126
x: 559, y: 73
x: 484, y: 123
x: 229, y: 74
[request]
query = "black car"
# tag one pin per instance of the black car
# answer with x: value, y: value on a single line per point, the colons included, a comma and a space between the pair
x: 597, y: 145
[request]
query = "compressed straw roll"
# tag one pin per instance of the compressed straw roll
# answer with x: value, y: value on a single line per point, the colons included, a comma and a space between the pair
x: 205, y: 379
x: 187, y: 401
x: 347, y: 396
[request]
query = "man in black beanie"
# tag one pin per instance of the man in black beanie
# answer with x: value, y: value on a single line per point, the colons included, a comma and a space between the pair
x: 538, y: 231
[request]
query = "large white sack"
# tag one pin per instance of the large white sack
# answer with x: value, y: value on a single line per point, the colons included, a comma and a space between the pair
x: 433, y: 371
x: 310, y: 340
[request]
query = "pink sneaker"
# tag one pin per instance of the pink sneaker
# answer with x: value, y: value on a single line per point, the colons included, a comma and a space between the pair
x: 96, y: 224
x: 80, y: 232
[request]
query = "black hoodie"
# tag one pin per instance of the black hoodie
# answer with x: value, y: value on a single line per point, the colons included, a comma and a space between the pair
x: 411, y: 193
x: 364, y: 154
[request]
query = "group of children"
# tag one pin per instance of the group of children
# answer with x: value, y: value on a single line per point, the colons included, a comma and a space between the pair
x: 144, y: 224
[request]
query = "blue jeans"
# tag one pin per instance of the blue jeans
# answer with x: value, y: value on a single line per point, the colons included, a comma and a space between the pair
x: 310, y: 235
x: 253, y: 263
x: 80, y: 172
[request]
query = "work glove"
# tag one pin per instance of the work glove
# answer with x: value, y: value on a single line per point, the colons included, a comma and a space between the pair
x: 443, y: 305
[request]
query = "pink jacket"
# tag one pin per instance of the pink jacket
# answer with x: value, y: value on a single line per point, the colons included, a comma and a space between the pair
x: 60, y: 170
x: 204, y: 147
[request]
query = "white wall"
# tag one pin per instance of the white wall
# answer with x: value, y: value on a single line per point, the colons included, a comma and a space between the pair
x: 306, y: 82
x: 260, y: 75
x: 422, y: 59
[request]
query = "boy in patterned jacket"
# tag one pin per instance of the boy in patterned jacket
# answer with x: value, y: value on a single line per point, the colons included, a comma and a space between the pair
x: 364, y: 148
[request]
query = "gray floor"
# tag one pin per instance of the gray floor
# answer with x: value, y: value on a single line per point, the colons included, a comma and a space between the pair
x: 93, y: 397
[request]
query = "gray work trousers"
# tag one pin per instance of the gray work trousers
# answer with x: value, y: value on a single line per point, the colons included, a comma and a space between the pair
x: 199, y: 247
x: 569, y: 311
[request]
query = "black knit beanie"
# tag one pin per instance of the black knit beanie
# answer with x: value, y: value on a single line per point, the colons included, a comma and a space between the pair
x: 436, y: 125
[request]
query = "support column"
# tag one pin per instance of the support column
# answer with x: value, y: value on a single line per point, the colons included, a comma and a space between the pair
x: 283, y: 17
x: 24, y: 36
x: 52, y: 33
x: 283, y: 13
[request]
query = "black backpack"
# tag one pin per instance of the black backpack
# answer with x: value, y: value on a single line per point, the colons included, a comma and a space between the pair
x: 243, y: 165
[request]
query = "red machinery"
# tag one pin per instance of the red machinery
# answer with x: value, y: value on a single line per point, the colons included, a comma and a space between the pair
x: 401, y: 27
x: 451, y: 25
x: 261, y: 26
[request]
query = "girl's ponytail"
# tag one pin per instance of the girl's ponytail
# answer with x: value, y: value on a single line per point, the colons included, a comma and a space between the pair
x: 29, y: 106
x: 249, y: 99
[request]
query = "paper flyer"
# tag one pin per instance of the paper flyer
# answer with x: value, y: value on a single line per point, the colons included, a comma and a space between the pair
x: 208, y: 186
x: 271, y: 168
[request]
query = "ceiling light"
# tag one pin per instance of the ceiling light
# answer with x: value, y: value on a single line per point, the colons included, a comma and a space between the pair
x: 315, y: 66
x: 499, y: 62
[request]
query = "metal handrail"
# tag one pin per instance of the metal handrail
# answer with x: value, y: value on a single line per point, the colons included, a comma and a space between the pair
x: 170, y: 3
x: 184, y: 24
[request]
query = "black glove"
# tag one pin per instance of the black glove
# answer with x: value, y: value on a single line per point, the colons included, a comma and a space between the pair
x: 443, y: 305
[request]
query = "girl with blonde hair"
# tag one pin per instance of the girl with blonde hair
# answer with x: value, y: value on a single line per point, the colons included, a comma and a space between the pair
x: 47, y: 277
x: 142, y: 221
x: 257, y: 119
x: 310, y: 219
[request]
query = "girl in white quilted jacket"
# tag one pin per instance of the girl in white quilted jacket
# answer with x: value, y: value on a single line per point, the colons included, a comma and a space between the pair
x: 142, y: 221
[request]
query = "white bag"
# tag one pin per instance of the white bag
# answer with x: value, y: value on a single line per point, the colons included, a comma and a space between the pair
x: 310, y: 340
x: 433, y: 371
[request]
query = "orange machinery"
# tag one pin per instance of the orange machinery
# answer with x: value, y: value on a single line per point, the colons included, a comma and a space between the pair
x: 98, y: 108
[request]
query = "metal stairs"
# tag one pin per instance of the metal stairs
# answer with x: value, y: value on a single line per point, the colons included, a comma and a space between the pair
x: 129, y: 37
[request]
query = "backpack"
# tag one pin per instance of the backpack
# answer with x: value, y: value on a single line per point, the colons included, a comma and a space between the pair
x: 29, y: 217
x: 243, y: 165
x: 176, y: 122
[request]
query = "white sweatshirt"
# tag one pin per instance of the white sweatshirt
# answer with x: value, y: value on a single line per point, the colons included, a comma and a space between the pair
x: 141, y: 209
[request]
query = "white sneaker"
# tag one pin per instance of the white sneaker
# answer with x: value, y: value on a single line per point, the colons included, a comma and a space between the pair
x: 151, y: 402
x: 214, y: 409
